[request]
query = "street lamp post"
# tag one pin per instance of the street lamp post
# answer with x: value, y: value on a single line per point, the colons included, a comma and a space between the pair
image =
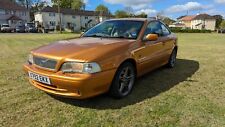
x: 60, y: 19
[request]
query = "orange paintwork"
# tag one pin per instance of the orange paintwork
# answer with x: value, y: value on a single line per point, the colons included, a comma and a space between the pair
x: 108, y: 53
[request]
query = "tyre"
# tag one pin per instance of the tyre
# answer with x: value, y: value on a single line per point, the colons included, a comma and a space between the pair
x: 173, y: 59
x: 123, y: 81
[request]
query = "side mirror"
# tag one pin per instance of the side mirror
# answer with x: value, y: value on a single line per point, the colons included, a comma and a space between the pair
x: 151, y: 37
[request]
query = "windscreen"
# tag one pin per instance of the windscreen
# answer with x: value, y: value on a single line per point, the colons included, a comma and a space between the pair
x: 116, y: 29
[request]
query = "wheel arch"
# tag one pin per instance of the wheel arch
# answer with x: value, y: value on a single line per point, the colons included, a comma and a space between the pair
x: 130, y: 60
x: 176, y: 48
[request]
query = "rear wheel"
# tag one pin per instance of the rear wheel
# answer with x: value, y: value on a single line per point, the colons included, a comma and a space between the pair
x: 173, y: 59
x: 123, y: 81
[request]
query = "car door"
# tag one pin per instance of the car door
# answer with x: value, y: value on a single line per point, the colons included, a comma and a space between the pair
x: 150, y: 54
x: 168, y: 43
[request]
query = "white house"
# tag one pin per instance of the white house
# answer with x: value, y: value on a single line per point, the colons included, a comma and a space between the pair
x: 75, y: 20
x: 200, y: 21
x: 13, y: 14
x: 203, y: 21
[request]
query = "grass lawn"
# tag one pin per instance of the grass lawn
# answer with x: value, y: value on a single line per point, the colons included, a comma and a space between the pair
x: 191, y: 94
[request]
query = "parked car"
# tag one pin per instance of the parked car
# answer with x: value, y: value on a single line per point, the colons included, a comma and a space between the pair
x: 107, y: 58
x: 30, y: 27
x: 6, y: 28
x: 20, y: 29
x: 221, y: 31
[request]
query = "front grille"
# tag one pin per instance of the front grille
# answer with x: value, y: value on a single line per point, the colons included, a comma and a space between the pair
x: 45, y: 62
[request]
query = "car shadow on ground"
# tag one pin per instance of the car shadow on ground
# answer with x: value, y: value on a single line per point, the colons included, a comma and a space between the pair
x: 148, y: 86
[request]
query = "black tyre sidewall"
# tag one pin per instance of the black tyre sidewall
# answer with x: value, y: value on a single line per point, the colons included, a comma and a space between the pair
x: 114, y: 89
x: 171, y: 56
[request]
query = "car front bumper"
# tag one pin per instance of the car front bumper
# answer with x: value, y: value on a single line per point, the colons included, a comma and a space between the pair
x: 78, y: 86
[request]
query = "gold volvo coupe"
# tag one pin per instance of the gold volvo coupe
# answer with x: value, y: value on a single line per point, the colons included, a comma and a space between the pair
x: 107, y: 58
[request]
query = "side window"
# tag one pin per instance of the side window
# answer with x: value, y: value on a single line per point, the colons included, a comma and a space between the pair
x: 154, y: 28
x: 165, y: 30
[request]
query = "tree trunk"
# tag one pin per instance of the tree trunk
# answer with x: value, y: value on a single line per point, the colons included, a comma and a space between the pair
x: 27, y: 4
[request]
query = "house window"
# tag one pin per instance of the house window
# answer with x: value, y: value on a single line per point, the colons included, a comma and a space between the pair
x: 86, y: 17
x: 7, y: 12
x: 52, y: 23
x: 13, y: 12
x: 2, y: 12
x: 74, y: 17
x: 13, y: 21
x: 22, y: 13
x: 52, y: 14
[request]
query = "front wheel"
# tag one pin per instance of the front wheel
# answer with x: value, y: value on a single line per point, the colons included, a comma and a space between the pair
x: 123, y: 81
x: 173, y: 59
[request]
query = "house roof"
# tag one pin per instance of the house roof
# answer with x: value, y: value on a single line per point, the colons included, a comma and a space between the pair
x: 197, y: 17
x: 187, y: 18
x: 203, y: 16
x: 181, y: 17
x: 8, y: 5
x: 74, y: 12
x: 14, y: 18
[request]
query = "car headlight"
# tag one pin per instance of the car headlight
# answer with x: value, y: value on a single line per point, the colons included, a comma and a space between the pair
x: 76, y: 67
x: 30, y: 59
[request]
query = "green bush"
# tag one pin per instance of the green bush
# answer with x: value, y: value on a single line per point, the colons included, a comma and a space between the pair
x: 181, y: 30
x: 222, y: 25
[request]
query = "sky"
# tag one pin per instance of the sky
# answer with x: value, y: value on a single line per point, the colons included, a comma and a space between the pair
x: 169, y: 8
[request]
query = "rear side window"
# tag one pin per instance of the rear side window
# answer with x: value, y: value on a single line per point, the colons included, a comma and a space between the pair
x: 165, y: 30
x: 156, y: 27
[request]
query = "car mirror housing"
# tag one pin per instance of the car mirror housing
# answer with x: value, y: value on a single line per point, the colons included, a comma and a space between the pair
x: 151, y: 37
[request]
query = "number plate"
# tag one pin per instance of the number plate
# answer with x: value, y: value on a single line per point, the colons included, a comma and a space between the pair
x: 39, y: 78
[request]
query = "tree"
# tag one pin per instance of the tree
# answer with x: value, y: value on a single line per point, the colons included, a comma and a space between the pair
x: 78, y: 5
x: 102, y: 8
x: 160, y: 15
x: 121, y: 14
x: 25, y: 3
x: 222, y: 25
x: 142, y: 15
x: 129, y: 11
x: 219, y: 19
x: 63, y: 3
x: 168, y: 21
x: 37, y: 6
x: 73, y: 4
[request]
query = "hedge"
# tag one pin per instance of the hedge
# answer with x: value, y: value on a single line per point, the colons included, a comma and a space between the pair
x: 181, y: 30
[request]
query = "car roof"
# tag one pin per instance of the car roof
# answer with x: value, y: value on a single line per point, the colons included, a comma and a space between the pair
x: 134, y: 19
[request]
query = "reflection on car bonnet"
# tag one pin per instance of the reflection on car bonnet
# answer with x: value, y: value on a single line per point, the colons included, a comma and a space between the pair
x: 87, y: 41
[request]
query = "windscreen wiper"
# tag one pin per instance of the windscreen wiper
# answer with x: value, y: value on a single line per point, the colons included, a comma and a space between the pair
x: 98, y: 35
